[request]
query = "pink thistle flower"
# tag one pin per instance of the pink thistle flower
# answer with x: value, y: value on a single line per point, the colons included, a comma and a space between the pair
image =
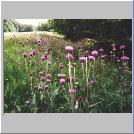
x: 82, y: 58
x: 71, y: 92
x: 34, y: 52
x: 49, y: 76
x: 94, y: 53
x: 124, y: 58
x: 61, y: 75
x: 42, y: 58
x: 122, y: 47
x: 61, y: 66
x: 38, y: 41
x: 91, y: 57
x: 101, y: 50
x: 62, y: 81
x: 49, y: 63
x: 104, y: 56
x: 43, y: 78
x: 68, y: 48
x: 80, y: 47
x: 69, y: 56
x: 24, y: 55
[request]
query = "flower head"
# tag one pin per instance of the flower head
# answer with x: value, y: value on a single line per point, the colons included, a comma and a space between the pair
x: 124, y: 58
x: 91, y: 57
x: 82, y: 58
x: 94, y: 53
x: 62, y: 81
x: 68, y: 48
x: 122, y: 47
x: 71, y: 92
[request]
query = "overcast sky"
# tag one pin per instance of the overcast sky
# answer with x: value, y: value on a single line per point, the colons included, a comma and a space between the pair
x: 34, y: 22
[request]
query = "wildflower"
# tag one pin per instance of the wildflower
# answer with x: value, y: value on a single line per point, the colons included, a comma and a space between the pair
x: 24, y: 55
x: 68, y: 48
x: 124, y: 58
x: 69, y: 56
x: 91, y: 57
x: 42, y: 58
x: 49, y: 63
x: 94, y: 53
x: 61, y: 66
x: 101, y: 50
x: 38, y: 41
x: 61, y: 75
x: 34, y: 52
x: 80, y: 47
x: 122, y: 47
x: 71, y: 92
x: 49, y: 76
x: 82, y: 58
x: 62, y: 81
x: 104, y: 56
x: 43, y: 78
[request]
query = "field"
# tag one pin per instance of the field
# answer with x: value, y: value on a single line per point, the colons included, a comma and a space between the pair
x: 44, y: 73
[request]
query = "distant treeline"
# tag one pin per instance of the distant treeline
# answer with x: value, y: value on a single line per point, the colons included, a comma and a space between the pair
x: 11, y: 25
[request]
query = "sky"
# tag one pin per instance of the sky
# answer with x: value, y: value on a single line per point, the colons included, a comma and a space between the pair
x: 34, y: 22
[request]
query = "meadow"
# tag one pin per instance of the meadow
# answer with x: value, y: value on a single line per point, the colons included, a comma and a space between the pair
x: 47, y: 74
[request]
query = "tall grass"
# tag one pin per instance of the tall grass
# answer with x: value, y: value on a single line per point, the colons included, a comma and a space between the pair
x: 32, y: 85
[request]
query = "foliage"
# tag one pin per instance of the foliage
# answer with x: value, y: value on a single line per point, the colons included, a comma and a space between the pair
x: 11, y: 25
x: 43, y: 27
x: 103, y: 85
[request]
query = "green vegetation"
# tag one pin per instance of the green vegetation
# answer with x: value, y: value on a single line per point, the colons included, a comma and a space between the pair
x: 41, y: 77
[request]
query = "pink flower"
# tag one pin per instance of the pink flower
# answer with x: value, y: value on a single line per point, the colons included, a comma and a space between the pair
x: 68, y: 48
x: 122, y: 47
x: 43, y: 78
x: 101, y: 50
x: 61, y: 75
x: 69, y: 56
x: 49, y: 63
x: 82, y: 58
x: 104, y: 56
x: 42, y: 58
x: 94, y: 53
x: 80, y: 47
x: 62, y: 81
x: 34, y: 52
x: 38, y: 41
x: 91, y: 57
x: 49, y: 76
x: 124, y: 58
x: 24, y: 55
x: 61, y: 66
x: 71, y: 92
